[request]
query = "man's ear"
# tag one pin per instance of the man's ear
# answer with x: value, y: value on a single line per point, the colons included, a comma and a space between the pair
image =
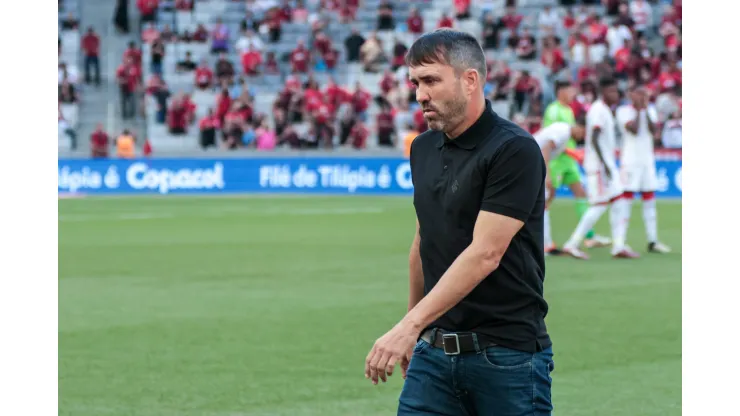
x: 471, y: 81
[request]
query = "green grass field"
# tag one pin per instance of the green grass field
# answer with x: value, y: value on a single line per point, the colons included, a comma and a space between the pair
x: 268, y: 306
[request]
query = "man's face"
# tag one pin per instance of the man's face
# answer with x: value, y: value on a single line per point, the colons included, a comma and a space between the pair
x: 441, y: 95
x: 611, y: 94
x: 567, y: 94
x: 639, y: 98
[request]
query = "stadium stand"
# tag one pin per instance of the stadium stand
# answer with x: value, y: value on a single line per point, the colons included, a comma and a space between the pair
x: 322, y: 73
x: 69, y: 75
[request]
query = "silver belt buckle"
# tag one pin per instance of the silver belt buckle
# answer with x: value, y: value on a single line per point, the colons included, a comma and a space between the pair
x: 447, y: 345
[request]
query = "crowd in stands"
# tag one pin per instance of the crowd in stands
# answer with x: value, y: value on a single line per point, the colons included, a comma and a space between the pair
x: 68, y: 76
x: 636, y: 41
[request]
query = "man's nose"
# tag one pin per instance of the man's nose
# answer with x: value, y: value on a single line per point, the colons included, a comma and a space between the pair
x: 422, y: 95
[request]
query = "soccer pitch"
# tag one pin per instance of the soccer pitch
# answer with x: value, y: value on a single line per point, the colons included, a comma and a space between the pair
x: 185, y: 306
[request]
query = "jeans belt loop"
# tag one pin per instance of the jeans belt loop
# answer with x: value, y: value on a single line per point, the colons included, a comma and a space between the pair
x: 475, y: 342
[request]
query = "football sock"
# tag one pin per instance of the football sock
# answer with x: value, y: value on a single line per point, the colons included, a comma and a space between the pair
x: 548, y: 231
x: 650, y: 216
x: 619, y: 216
x: 581, y: 208
x: 588, y: 220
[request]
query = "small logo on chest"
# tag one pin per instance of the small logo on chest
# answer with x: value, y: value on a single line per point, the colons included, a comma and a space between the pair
x: 455, y: 186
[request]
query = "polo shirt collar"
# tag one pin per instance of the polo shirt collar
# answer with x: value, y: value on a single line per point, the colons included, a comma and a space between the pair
x: 475, y: 133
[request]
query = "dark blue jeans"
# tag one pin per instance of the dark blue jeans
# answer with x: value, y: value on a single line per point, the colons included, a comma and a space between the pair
x: 496, y: 381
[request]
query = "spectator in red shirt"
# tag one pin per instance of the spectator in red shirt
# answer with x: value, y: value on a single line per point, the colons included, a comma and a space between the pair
x: 358, y: 135
x: 670, y: 78
x: 184, y: 5
x: 203, y: 76
x: 386, y: 83
x: 91, y: 48
x: 524, y: 45
x: 201, y: 34
x: 234, y: 126
x: 399, y: 53
x: 569, y: 21
x: 526, y: 88
x: 420, y: 122
x: 622, y: 60
x: 322, y: 43
x: 133, y: 53
x: 386, y: 127
x: 251, y: 61
x: 177, y: 117
x: 286, y: 11
x: 99, y: 142
x: 361, y: 101
x: 445, y: 21
x: 271, y: 64
x: 190, y: 108
x: 150, y: 34
x: 552, y: 55
x: 299, y: 58
x: 209, y: 125
x: 331, y: 57
x: 511, y: 19
x: 223, y: 104
x: 415, y: 23
x: 462, y: 9
x: 148, y: 10
x: 335, y: 95
x: 129, y: 77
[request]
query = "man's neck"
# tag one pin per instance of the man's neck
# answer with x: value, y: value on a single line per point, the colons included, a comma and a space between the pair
x: 472, y: 115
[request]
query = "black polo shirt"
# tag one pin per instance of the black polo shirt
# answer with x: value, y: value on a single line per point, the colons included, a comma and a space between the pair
x: 498, y: 167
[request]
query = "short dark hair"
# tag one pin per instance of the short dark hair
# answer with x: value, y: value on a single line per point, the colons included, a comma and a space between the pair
x: 560, y: 84
x: 445, y: 46
x: 607, y: 82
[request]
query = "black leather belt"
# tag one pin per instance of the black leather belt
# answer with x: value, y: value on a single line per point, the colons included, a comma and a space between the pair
x: 455, y: 343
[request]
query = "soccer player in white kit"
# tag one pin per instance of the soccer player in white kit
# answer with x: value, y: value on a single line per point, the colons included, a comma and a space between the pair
x: 603, y: 182
x: 637, y: 125
x: 553, y: 140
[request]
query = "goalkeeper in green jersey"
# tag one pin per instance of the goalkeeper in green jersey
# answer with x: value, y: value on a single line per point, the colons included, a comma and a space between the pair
x: 564, y: 168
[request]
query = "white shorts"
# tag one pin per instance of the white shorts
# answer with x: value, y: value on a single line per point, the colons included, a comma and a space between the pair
x: 640, y: 178
x: 600, y: 189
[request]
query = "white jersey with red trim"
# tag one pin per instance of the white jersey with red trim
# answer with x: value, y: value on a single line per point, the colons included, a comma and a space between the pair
x: 558, y: 133
x: 600, y: 115
x: 637, y: 149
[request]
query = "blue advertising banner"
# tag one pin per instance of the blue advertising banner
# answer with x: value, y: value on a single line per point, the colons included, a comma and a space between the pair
x: 379, y: 176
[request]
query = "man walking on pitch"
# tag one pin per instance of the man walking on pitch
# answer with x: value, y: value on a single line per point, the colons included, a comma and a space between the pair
x: 603, y: 183
x: 637, y: 124
x: 474, y: 339
x: 564, y: 168
x: 553, y: 140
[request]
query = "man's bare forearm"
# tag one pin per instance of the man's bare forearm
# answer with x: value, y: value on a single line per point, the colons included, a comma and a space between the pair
x: 416, y: 275
x: 465, y: 273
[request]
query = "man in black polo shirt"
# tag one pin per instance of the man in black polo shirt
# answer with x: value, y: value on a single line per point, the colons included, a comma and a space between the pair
x: 474, y: 340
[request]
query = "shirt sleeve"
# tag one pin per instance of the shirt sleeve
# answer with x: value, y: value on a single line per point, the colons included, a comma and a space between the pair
x: 623, y: 116
x: 595, y: 118
x: 515, y: 179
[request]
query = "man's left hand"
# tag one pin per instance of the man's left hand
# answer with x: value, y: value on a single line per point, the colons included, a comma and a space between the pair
x: 395, y: 347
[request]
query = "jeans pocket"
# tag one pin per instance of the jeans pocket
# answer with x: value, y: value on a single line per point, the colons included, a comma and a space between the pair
x: 507, y: 359
x: 420, y: 346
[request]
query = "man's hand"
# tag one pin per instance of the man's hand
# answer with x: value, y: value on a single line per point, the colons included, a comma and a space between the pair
x: 395, y: 347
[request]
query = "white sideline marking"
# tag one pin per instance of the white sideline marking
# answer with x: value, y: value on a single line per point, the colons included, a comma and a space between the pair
x: 219, y: 213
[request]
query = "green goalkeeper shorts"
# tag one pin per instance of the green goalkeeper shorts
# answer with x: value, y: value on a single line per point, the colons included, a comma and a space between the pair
x: 564, y: 171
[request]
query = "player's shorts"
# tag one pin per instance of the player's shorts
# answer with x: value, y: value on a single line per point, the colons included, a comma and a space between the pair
x: 640, y: 178
x: 600, y: 189
x: 564, y: 170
